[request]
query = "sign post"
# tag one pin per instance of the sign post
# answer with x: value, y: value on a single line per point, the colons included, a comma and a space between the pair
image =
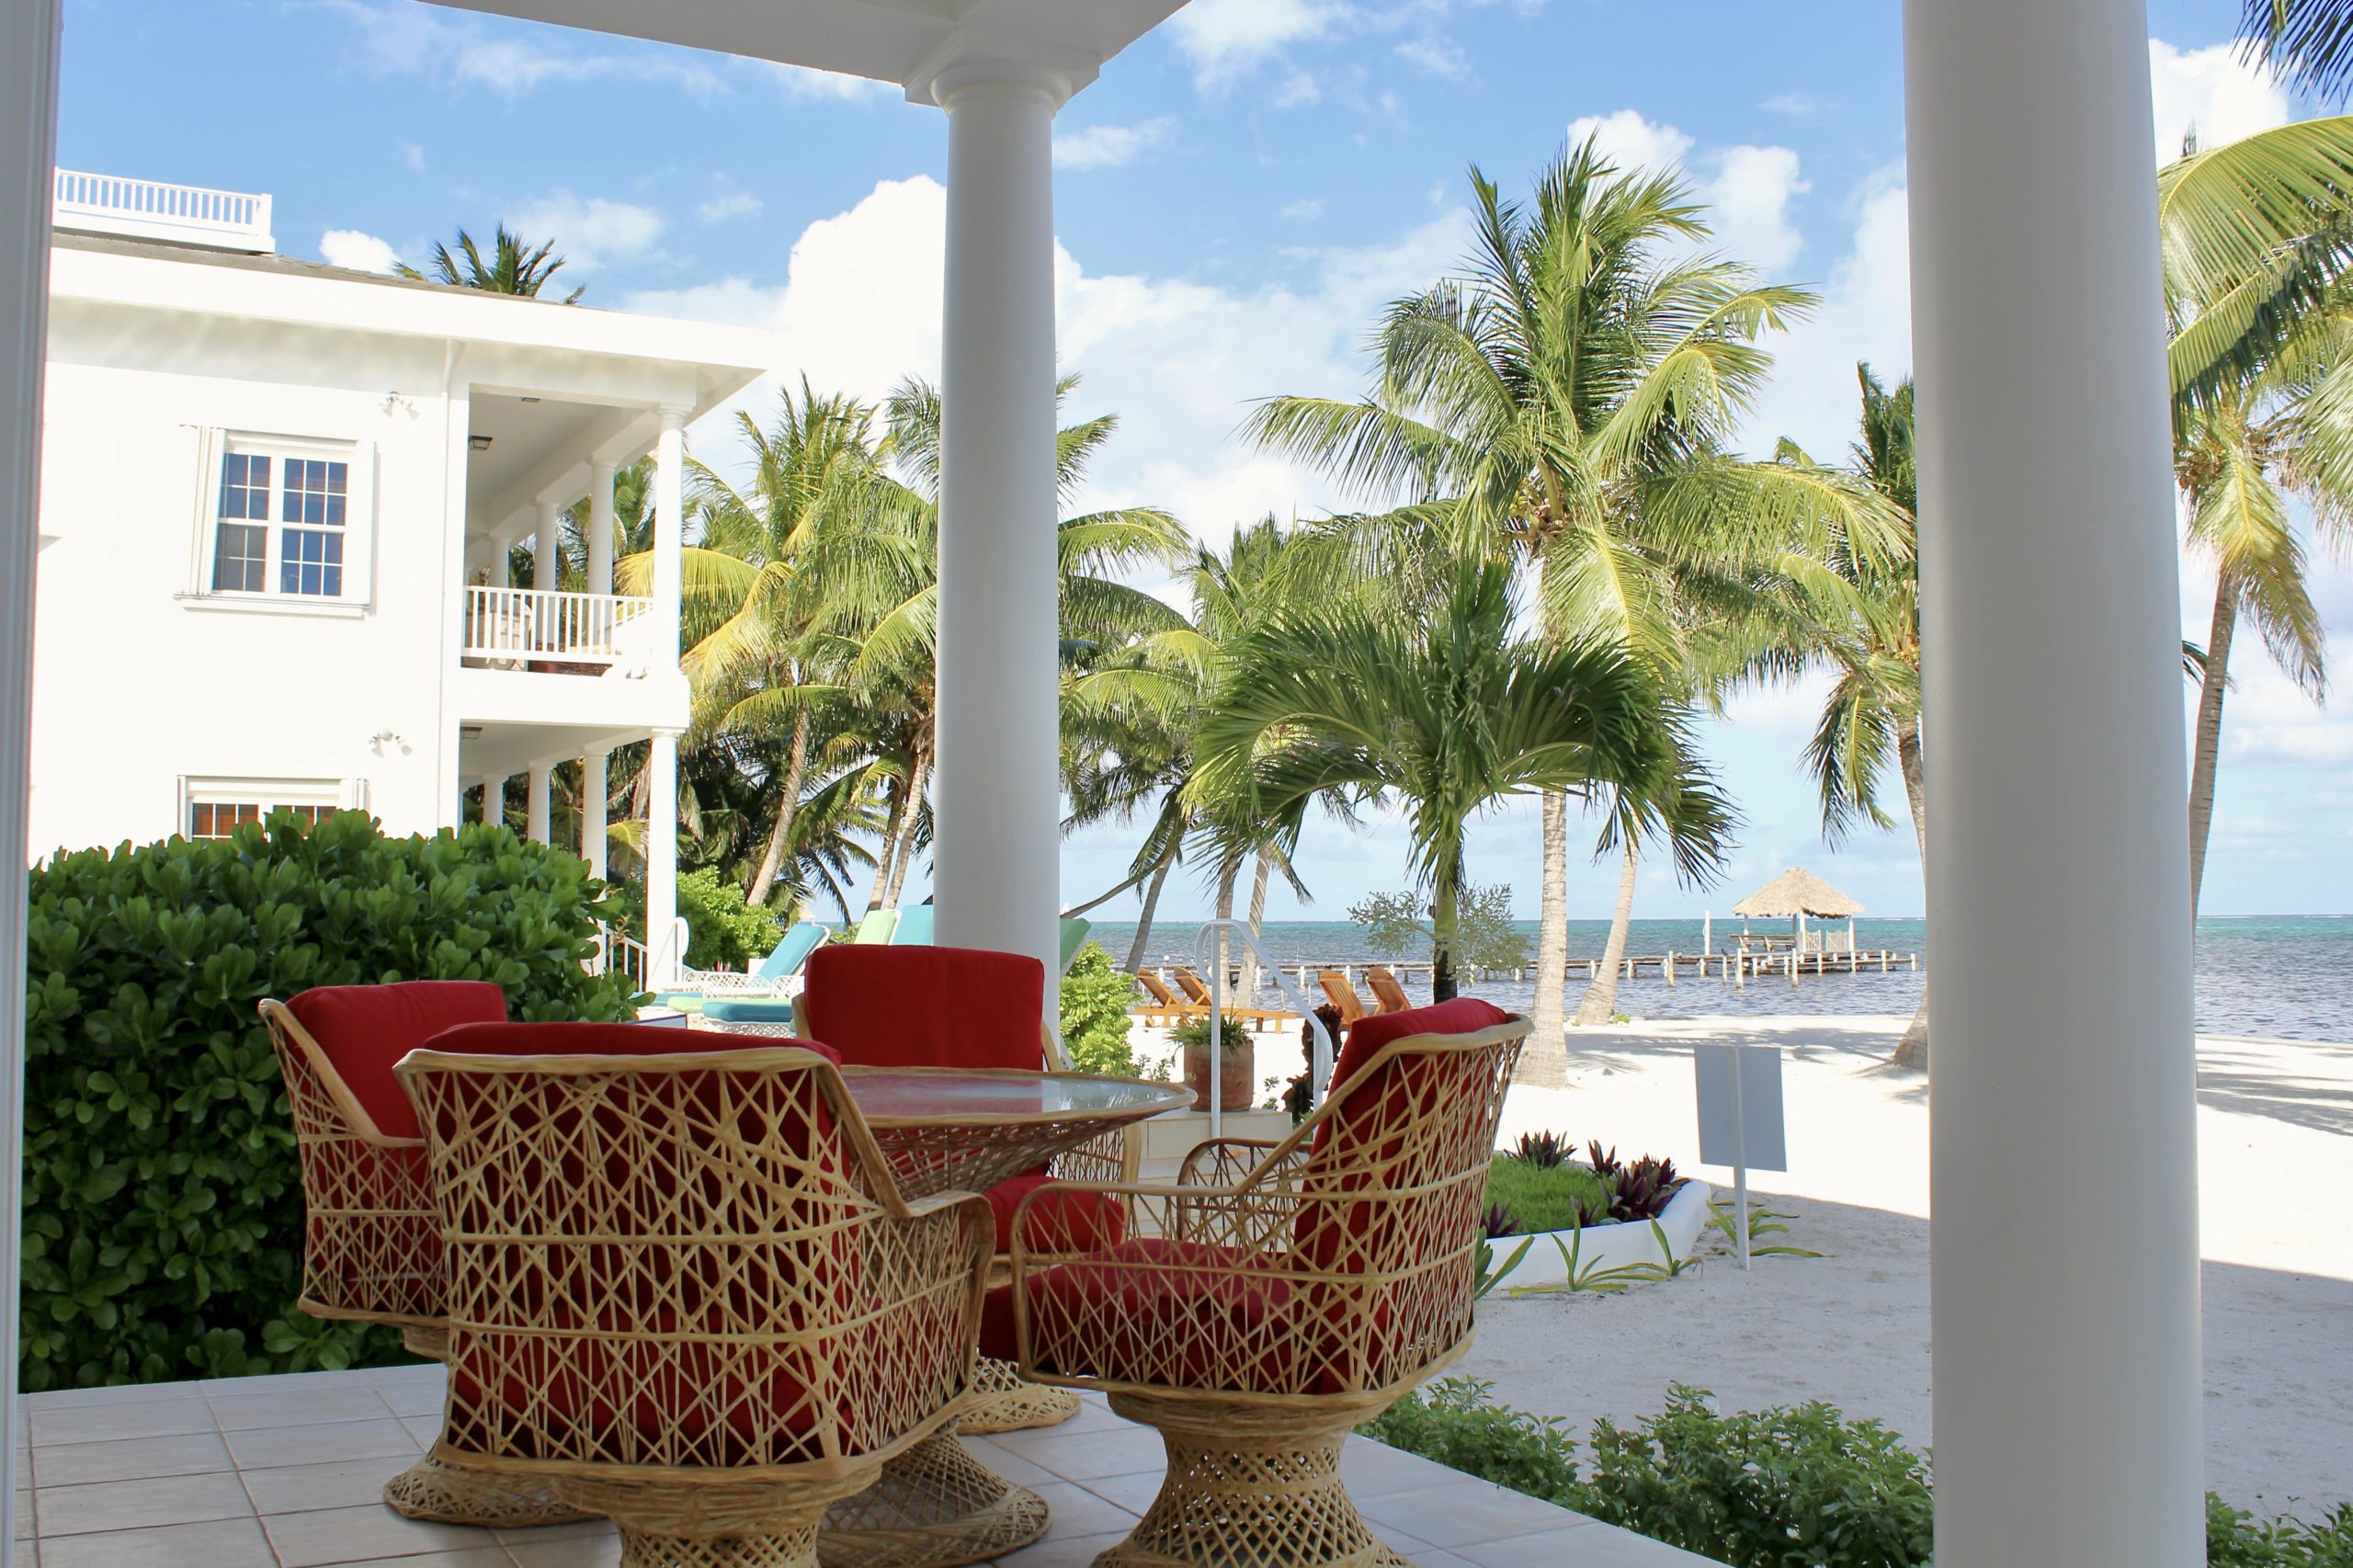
x: 1739, y: 1089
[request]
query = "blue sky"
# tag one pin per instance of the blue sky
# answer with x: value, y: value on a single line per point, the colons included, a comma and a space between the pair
x: 1237, y: 195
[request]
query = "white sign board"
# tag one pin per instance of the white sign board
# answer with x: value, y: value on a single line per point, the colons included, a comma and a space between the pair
x: 1740, y: 1119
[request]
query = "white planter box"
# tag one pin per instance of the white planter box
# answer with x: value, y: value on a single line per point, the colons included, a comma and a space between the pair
x: 1600, y: 1248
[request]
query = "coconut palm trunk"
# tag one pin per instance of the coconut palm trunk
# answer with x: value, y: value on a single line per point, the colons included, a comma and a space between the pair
x: 796, y: 769
x: 2206, y: 750
x: 1229, y: 872
x: 1600, y: 1003
x: 1257, y: 922
x: 903, y: 853
x: 887, y: 851
x: 1546, y: 1058
x: 1912, y: 1051
x: 1143, y: 915
x: 1445, y: 915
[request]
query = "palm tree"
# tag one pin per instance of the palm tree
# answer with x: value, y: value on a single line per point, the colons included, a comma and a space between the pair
x: 1569, y: 400
x: 514, y: 266
x: 2308, y: 41
x: 1448, y: 717
x: 1863, y: 608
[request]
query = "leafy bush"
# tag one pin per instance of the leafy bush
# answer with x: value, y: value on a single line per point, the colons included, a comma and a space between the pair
x: 722, y: 932
x: 1456, y: 1422
x: 1484, y: 937
x: 1094, y: 1001
x: 2235, y: 1539
x: 163, y: 1210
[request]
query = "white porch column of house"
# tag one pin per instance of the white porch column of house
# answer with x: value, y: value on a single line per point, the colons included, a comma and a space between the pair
x: 662, y: 763
x: 539, y: 804
x: 593, y: 785
x: 28, y: 35
x: 996, y: 844
x: 600, y: 526
x: 2062, y: 1101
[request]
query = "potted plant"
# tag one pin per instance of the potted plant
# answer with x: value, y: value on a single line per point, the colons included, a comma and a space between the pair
x: 1235, y: 1080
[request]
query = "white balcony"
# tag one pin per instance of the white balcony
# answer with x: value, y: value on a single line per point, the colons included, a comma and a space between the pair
x: 150, y: 209
x: 514, y: 629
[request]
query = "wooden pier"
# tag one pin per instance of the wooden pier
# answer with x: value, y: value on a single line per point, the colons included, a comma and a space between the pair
x: 1735, y: 968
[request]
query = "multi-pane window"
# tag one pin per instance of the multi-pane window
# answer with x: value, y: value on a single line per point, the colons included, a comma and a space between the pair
x: 219, y: 819
x: 217, y: 808
x: 308, y: 498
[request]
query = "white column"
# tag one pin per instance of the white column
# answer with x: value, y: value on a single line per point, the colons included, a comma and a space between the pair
x: 2062, y: 1101
x: 494, y: 799
x: 662, y: 860
x: 600, y: 526
x: 546, y: 549
x: 28, y: 34
x: 996, y: 849
x: 669, y: 524
x: 593, y: 785
x: 539, y: 804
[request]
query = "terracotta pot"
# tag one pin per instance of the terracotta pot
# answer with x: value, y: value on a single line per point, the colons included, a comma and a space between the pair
x: 1239, y: 1083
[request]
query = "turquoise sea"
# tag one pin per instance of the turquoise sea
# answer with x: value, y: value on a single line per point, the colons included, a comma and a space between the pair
x: 2289, y: 976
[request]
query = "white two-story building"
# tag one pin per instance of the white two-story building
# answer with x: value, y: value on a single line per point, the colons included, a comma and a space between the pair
x: 276, y: 509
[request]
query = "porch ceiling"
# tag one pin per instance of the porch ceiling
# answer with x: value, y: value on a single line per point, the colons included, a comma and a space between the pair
x: 495, y: 750
x: 904, y: 41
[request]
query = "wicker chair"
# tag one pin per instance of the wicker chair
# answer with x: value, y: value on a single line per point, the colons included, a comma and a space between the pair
x: 371, y: 1235
x: 925, y: 1006
x: 685, y: 1292
x: 1279, y: 1293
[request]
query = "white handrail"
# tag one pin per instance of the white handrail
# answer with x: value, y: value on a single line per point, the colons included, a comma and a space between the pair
x: 156, y: 208
x: 526, y: 623
x: 1319, y: 1070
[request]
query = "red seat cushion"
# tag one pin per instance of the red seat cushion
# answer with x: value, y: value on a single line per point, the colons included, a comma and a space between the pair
x: 364, y: 1029
x: 927, y: 1006
x: 1180, y: 1314
x: 1066, y: 1220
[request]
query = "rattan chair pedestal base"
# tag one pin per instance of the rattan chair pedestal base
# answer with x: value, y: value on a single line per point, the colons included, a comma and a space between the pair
x: 444, y: 1495
x: 750, y: 1524
x: 1003, y: 1401
x: 1249, y: 1484
x: 934, y: 1507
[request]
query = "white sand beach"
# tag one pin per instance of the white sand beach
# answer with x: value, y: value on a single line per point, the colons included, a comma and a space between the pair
x: 2275, y: 1155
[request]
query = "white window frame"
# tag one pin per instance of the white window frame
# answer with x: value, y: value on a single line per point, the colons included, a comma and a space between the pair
x: 214, y: 447
x: 269, y: 794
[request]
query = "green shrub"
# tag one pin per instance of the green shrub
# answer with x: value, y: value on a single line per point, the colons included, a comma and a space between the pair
x: 1456, y: 1422
x: 2235, y: 1539
x: 1094, y: 1001
x: 1194, y: 1033
x: 163, y: 1210
x: 721, y: 933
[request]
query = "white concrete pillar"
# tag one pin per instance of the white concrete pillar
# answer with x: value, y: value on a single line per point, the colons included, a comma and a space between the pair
x: 669, y: 524
x: 662, y: 860
x: 28, y: 35
x: 2062, y: 1101
x: 996, y: 849
x: 546, y: 549
x: 538, y: 795
x: 600, y: 526
x: 593, y: 786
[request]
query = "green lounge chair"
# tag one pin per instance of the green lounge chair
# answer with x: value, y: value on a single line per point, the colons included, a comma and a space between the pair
x: 1075, y: 930
x: 875, y: 929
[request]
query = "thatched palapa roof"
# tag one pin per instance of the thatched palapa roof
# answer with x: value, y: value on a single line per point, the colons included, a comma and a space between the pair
x: 1798, y: 892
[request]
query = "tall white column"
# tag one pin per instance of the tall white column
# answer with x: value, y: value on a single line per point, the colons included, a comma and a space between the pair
x: 546, y: 549
x: 669, y: 522
x: 28, y: 35
x: 2062, y: 1100
x: 996, y: 845
x: 593, y: 785
x: 539, y: 804
x: 600, y: 526
x: 662, y: 860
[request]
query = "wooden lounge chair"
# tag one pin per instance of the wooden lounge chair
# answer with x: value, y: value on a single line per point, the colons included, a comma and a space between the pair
x: 1386, y: 990
x: 1342, y: 995
x: 1197, y: 990
x: 1166, y: 1009
x: 961, y: 1007
x: 685, y: 1292
x: 1278, y: 1294
x: 372, y: 1233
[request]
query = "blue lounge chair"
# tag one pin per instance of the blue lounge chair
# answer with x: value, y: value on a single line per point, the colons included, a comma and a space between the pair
x: 913, y: 929
x: 790, y: 953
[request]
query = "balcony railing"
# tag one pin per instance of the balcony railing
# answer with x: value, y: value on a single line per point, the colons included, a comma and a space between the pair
x: 516, y: 628
x: 147, y: 209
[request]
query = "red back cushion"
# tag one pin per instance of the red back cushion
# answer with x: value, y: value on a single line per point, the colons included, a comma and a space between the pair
x: 364, y: 1029
x: 1465, y: 1015
x: 927, y: 1006
x: 605, y: 1040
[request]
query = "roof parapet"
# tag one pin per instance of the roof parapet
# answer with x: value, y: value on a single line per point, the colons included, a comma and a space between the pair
x: 152, y: 209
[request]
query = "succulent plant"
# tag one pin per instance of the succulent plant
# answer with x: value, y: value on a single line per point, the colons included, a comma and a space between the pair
x: 1642, y: 1190
x: 1604, y: 1165
x: 1543, y: 1149
x: 1499, y: 1221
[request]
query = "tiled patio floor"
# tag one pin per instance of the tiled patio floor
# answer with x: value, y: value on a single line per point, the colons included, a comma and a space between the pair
x: 285, y: 1473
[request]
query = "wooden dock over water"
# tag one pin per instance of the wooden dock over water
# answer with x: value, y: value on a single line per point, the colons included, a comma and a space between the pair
x: 1733, y: 968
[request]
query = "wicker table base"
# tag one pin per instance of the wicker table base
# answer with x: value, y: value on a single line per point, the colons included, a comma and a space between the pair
x: 935, y: 1507
x: 1003, y: 1401
x: 443, y: 1494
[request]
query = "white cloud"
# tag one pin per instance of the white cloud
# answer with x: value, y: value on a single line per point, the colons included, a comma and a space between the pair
x: 1750, y: 192
x: 2212, y: 92
x: 1435, y: 55
x: 1109, y: 146
x: 1226, y: 38
x: 404, y: 38
x: 358, y: 251
x: 412, y: 155
x: 1796, y: 105
x: 1630, y: 141
x: 1865, y: 316
x: 1304, y: 210
x: 728, y: 204
x: 587, y: 232
x: 799, y: 82
x: 1298, y: 91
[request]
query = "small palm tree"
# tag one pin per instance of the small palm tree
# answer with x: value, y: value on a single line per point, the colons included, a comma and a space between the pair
x: 1447, y: 717
x: 514, y: 266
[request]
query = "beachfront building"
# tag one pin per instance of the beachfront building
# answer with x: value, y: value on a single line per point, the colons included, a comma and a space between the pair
x: 276, y: 510
x: 2067, y: 1402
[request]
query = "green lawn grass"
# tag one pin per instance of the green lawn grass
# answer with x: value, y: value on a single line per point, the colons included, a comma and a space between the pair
x: 1543, y: 1198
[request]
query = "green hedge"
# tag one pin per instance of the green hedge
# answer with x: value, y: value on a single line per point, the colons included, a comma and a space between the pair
x: 163, y: 1209
x: 722, y: 931
x: 1095, y: 1002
